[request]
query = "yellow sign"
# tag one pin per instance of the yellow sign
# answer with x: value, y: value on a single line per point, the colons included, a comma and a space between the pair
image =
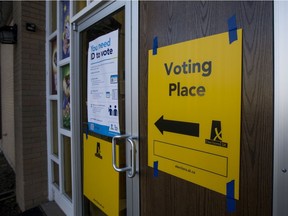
x: 101, y: 181
x: 194, y: 110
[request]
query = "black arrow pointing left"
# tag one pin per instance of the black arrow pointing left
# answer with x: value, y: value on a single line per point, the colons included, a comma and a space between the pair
x: 186, y: 128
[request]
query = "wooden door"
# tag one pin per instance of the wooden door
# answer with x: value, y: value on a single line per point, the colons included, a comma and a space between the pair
x: 174, y: 22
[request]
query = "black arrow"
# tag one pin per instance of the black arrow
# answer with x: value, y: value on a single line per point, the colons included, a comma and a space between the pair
x: 186, y: 128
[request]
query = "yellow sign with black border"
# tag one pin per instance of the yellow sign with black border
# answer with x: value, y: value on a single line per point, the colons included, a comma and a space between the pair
x: 101, y: 181
x: 194, y: 110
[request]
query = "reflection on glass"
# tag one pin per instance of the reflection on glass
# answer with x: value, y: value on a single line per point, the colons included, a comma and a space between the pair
x: 54, y: 67
x: 66, y: 96
x: 54, y: 128
x: 67, y: 166
x: 65, y: 25
x: 55, y: 170
x: 79, y: 5
x: 54, y: 15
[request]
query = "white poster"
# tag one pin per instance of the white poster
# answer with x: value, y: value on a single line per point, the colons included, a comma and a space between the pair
x: 102, y: 85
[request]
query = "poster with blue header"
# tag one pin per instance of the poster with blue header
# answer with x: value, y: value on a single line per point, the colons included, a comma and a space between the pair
x: 102, y: 85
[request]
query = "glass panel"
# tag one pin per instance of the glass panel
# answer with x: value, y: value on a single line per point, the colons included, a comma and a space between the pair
x: 106, y: 82
x: 96, y: 150
x: 67, y: 166
x: 54, y: 67
x: 65, y: 29
x: 55, y: 170
x: 54, y: 16
x: 79, y: 5
x: 66, y: 96
x: 54, y: 125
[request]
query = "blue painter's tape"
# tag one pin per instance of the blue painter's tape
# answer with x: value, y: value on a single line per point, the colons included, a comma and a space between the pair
x: 232, y: 28
x: 155, y: 166
x: 232, y: 36
x: 155, y: 45
x: 230, y: 187
x: 231, y: 205
x: 230, y: 196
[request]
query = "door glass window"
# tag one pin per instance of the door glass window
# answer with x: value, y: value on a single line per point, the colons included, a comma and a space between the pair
x: 53, y: 59
x: 54, y: 125
x: 65, y: 29
x: 99, y: 182
x: 55, y: 168
x: 67, y: 166
x: 54, y: 16
x: 65, y: 83
x: 79, y: 5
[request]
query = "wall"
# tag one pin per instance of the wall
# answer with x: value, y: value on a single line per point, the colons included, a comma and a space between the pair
x: 7, y: 105
x: 30, y: 108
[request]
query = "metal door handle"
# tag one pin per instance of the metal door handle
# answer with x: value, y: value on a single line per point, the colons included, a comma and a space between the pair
x: 131, y: 168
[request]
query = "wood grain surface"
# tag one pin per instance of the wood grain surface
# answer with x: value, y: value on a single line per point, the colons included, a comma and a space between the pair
x: 173, y: 22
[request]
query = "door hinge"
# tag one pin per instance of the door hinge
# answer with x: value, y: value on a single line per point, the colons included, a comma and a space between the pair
x: 74, y: 27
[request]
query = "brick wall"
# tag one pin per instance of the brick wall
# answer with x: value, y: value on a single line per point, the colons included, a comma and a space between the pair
x: 30, y: 105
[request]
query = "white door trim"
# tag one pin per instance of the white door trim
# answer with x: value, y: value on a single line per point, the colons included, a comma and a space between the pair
x: 56, y: 193
x: 133, y: 186
x: 280, y: 189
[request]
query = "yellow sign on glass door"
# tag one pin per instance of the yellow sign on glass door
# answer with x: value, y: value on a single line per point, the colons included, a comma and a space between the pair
x: 194, y: 110
x: 101, y: 181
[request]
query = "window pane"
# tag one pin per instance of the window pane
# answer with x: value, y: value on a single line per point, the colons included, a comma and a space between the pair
x: 55, y: 170
x: 54, y: 128
x: 66, y: 96
x: 54, y: 16
x: 90, y: 180
x: 67, y: 166
x: 65, y: 29
x: 54, y: 66
x: 79, y: 5
x: 115, y: 97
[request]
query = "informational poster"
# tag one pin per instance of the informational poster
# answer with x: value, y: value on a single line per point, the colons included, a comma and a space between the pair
x: 194, y: 111
x: 66, y: 96
x: 101, y: 182
x: 65, y: 29
x: 102, y: 85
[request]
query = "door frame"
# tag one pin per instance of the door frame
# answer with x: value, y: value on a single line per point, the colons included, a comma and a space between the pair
x: 90, y: 15
x: 280, y: 189
x: 56, y: 193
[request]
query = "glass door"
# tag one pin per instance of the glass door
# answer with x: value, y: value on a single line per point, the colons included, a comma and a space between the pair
x: 108, y: 110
